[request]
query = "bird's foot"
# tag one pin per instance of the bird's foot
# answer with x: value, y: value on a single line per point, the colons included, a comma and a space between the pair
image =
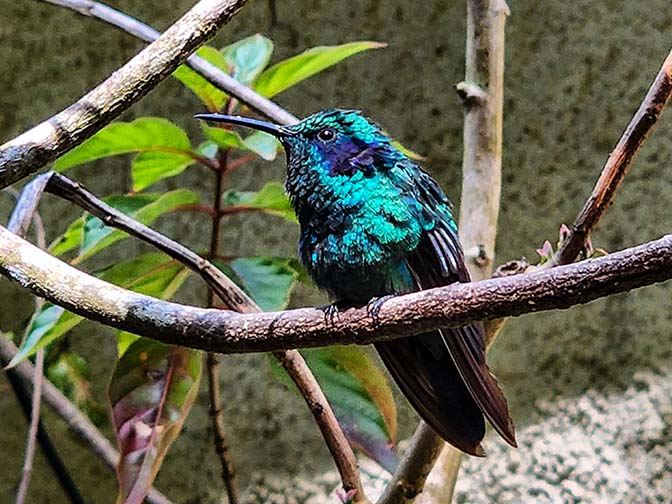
x: 330, y: 312
x: 373, y: 307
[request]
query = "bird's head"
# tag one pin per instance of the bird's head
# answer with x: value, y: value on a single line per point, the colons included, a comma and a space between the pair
x: 334, y: 142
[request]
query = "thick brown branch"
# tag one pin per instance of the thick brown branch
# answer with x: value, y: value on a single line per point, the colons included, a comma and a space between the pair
x: 227, y: 332
x: 31, y: 150
x: 236, y: 300
x: 210, y: 72
x: 618, y: 163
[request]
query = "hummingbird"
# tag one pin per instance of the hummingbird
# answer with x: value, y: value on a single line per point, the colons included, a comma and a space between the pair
x: 375, y: 224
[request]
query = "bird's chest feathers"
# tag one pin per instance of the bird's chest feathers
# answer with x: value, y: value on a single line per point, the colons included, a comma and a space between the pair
x: 356, y: 222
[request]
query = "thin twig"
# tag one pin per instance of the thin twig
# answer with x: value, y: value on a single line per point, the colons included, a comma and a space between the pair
x: 76, y: 420
x: 207, y: 70
x: 618, y: 163
x: 229, y: 332
x: 235, y: 299
x: 25, y: 212
x: 31, y: 150
x: 417, y: 462
x: 212, y: 361
x: 482, y: 93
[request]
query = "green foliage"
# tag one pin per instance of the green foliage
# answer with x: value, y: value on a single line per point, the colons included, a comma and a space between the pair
x: 270, y: 199
x: 151, y: 392
x: 291, y: 71
x: 91, y: 235
x: 361, y: 398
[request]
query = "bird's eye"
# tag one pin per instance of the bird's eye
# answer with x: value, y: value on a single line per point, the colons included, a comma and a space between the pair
x: 326, y: 135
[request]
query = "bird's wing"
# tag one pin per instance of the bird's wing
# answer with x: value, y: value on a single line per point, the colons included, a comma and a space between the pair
x: 438, y: 260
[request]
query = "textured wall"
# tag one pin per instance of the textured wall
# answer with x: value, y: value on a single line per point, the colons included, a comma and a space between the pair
x: 575, y: 72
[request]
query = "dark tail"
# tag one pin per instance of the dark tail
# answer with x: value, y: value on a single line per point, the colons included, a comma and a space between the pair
x: 426, y: 373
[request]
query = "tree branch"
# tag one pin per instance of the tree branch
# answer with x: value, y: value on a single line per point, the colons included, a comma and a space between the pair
x: 207, y: 70
x: 235, y: 299
x: 31, y: 150
x: 618, y: 164
x: 423, y: 311
x: 76, y: 420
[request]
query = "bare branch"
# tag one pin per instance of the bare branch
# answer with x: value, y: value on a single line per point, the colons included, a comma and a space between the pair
x: 31, y: 150
x: 235, y: 299
x: 618, y: 163
x: 409, y: 478
x: 227, y: 332
x: 76, y: 420
x: 207, y: 70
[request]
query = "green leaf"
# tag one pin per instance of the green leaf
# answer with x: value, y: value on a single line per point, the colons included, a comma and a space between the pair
x: 153, y: 274
x: 408, y: 152
x: 70, y: 373
x: 289, y: 72
x: 224, y: 138
x: 143, y: 134
x: 268, y: 280
x: 151, y: 392
x: 270, y: 199
x: 49, y: 324
x: 263, y: 144
x: 150, y: 167
x: 212, y: 97
x: 92, y: 235
x: 248, y: 57
x: 361, y: 398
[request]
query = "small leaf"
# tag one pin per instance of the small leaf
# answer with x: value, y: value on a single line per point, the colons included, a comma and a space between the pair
x: 270, y: 199
x: 545, y: 252
x: 212, y: 97
x: 263, y: 144
x: 361, y: 398
x: 145, y: 208
x: 153, y: 274
x: 269, y: 280
x: 289, y: 72
x: 248, y: 57
x: 224, y: 138
x: 408, y: 152
x: 70, y: 373
x: 208, y: 149
x: 151, y: 392
x: 49, y: 324
x: 143, y: 134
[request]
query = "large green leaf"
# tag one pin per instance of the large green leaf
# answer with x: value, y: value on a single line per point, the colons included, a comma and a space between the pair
x: 149, y: 135
x: 153, y: 274
x: 224, y: 138
x: 92, y: 235
x: 289, y: 72
x: 151, y: 166
x: 361, y: 398
x: 248, y: 57
x: 151, y: 393
x: 212, y: 97
x: 270, y: 199
x: 269, y: 280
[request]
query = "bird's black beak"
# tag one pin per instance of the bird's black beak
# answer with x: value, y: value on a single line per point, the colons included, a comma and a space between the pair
x: 277, y: 131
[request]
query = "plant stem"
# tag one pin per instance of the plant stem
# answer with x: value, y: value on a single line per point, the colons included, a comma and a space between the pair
x: 216, y: 412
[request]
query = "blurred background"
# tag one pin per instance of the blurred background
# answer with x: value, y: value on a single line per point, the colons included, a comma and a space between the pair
x: 575, y: 72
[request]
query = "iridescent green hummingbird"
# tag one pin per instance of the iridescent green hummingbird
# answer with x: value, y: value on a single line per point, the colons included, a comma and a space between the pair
x: 374, y: 224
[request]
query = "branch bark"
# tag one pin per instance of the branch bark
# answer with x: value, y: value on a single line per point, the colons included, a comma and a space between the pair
x: 31, y: 150
x: 618, y: 164
x: 228, y: 332
x: 210, y: 72
x: 236, y: 300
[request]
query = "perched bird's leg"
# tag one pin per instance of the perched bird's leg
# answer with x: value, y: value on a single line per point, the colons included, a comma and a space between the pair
x: 330, y: 312
x: 375, y: 304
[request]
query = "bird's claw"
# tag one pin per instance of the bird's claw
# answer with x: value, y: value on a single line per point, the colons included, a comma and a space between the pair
x: 330, y: 312
x: 373, y: 307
